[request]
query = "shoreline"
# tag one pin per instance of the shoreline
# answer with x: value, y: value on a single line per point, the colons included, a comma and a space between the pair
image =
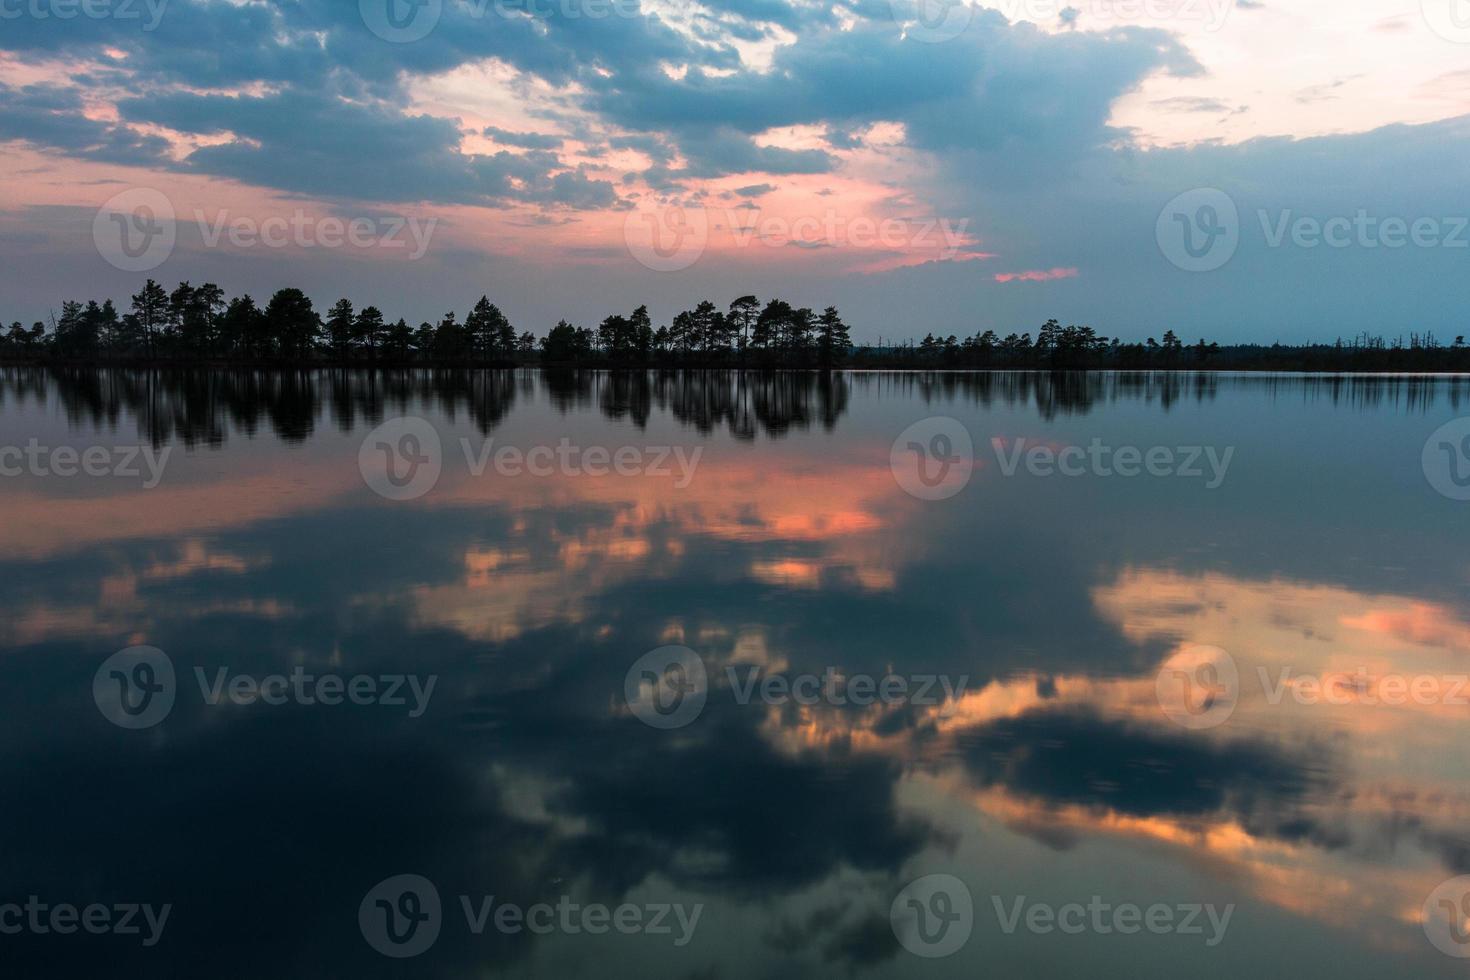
x: 856, y: 365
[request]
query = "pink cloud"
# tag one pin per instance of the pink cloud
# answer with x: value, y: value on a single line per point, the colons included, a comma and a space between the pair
x: 1036, y: 275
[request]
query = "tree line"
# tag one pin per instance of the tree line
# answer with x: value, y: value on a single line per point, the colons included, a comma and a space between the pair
x: 1056, y: 347
x: 191, y: 324
x: 197, y: 323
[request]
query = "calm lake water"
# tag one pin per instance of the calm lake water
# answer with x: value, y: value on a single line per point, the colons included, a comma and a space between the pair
x: 709, y: 675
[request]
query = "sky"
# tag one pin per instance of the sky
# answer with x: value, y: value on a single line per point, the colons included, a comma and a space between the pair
x: 1242, y: 170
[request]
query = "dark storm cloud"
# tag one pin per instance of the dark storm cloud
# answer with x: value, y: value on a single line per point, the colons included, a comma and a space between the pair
x: 317, y: 144
x: 51, y: 118
x: 338, y: 90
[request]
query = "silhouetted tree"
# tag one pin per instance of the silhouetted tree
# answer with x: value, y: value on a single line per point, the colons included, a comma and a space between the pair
x: 565, y: 342
x: 490, y: 333
x: 398, y: 344
x: 832, y: 338
x: 341, y: 325
x: 150, y: 307
x: 293, y: 322
x: 368, y: 330
x: 742, y: 316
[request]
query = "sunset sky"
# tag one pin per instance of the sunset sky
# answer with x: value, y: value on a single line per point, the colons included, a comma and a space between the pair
x: 922, y: 166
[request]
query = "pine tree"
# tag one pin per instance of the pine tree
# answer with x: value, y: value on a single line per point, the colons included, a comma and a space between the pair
x: 341, y: 324
x: 150, y: 307
x: 833, y: 341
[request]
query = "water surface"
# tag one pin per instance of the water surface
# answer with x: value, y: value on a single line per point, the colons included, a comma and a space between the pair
x: 1060, y: 766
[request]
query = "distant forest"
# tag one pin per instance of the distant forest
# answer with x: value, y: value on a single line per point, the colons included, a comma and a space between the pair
x: 198, y: 325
